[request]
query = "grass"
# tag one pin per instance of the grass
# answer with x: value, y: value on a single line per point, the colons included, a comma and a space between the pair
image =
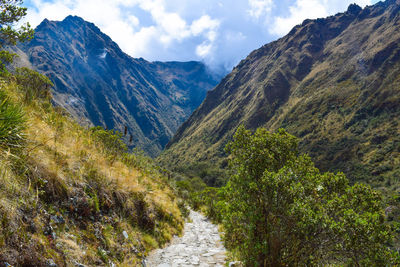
x: 63, y: 171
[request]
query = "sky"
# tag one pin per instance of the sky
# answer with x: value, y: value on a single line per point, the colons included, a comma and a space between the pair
x: 218, y: 32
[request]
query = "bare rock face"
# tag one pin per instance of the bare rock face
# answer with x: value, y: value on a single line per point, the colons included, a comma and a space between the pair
x: 333, y: 82
x: 101, y: 85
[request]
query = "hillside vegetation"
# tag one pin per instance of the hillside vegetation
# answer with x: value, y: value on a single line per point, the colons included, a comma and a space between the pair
x: 333, y: 82
x: 279, y: 210
x: 70, y: 195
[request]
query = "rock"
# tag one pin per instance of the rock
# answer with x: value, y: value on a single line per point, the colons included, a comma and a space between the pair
x: 51, y: 263
x: 199, y: 246
x: 57, y: 219
x: 125, y: 234
x: 50, y: 232
x: 354, y: 9
x: 195, y: 260
x: 235, y: 264
x: 135, y: 250
x: 32, y: 227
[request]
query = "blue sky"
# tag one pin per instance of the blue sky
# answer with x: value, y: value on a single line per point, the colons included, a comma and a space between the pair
x: 217, y: 32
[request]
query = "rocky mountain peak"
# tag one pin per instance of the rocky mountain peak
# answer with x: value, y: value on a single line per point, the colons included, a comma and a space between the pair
x: 354, y: 9
x: 101, y: 85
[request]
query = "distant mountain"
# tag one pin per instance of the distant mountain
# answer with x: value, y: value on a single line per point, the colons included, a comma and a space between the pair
x: 333, y: 82
x: 101, y: 85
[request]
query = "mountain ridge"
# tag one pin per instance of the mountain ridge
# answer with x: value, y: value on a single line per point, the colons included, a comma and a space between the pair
x: 101, y: 85
x: 322, y: 82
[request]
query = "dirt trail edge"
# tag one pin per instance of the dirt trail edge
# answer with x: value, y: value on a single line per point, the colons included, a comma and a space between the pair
x: 200, y: 245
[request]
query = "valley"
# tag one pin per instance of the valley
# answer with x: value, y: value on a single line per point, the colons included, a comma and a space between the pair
x: 332, y: 82
x: 100, y: 85
x: 291, y: 159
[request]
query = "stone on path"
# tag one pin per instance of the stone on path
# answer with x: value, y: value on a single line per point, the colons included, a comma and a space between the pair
x: 200, y: 245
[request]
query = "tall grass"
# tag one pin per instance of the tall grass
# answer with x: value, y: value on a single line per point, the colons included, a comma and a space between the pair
x: 12, y: 124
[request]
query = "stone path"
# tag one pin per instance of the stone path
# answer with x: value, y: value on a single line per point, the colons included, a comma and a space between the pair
x: 200, y: 245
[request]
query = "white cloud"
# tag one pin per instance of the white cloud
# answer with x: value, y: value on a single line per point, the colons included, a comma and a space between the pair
x: 259, y: 8
x: 167, y: 27
x: 202, y: 24
x: 309, y: 9
x: 133, y: 20
x: 218, y: 32
x: 302, y: 10
x: 170, y: 24
x: 137, y: 44
x: 203, y: 49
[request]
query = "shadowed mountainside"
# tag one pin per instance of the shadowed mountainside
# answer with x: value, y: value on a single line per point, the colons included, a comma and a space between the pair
x: 333, y: 82
x: 101, y: 85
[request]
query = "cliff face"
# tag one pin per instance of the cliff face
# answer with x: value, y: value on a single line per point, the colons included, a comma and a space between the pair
x: 333, y: 82
x: 101, y: 85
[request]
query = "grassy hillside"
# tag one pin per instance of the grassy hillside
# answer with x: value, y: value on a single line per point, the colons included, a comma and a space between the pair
x: 68, y: 197
x: 333, y: 82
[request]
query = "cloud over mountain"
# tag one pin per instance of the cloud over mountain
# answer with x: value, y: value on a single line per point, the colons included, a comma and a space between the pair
x: 220, y: 33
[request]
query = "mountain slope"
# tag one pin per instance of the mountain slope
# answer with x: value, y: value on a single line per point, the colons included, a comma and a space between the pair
x: 333, y: 82
x: 101, y: 85
x: 67, y: 198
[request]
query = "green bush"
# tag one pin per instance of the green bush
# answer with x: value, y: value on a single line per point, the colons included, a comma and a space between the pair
x: 12, y: 124
x: 34, y: 84
x: 111, y: 141
x: 279, y: 210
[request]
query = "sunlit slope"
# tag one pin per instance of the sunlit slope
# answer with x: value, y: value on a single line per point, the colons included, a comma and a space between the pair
x: 333, y: 82
x: 66, y: 197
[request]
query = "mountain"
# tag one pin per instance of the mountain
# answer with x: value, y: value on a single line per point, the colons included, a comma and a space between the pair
x: 101, y: 85
x: 333, y: 82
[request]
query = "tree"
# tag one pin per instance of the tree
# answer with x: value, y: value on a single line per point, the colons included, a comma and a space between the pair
x: 279, y: 210
x: 11, y: 14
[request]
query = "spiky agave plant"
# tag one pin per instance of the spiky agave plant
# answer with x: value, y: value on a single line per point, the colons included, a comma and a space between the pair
x: 12, y: 124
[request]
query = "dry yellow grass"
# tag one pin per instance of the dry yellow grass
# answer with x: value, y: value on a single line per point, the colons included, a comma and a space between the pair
x: 62, y: 161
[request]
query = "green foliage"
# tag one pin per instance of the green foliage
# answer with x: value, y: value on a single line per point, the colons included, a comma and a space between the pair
x: 12, y: 124
x: 138, y: 159
x: 11, y: 13
x: 279, y: 210
x: 34, y: 84
x: 5, y: 58
x: 111, y: 141
x: 190, y: 189
x: 210, y: 174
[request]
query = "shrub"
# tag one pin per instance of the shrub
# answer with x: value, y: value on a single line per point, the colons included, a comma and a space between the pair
x: 34, y: 84
x: 110, y: 139
x: 279, y: 210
